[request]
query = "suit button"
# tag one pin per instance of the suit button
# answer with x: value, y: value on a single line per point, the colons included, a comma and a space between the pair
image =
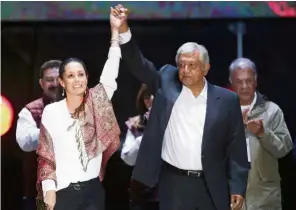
x: 202, y: 156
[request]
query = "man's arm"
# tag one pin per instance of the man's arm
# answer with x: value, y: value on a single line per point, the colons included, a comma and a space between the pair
x: 238, y: 160
x: 27, y: 133
x: 137, y: 64
x: 130, y: 148
x: 277, y: 139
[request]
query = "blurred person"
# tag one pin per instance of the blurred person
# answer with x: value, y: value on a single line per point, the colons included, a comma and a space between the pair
x: 28, y: 125
x: 267, y: 136
x: 141, y: 197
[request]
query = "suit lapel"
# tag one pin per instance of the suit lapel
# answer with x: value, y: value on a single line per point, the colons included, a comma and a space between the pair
x: 211, y: 114
x: 172, y: 95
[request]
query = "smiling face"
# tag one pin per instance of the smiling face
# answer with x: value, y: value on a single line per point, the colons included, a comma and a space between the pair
x: 74, y: 78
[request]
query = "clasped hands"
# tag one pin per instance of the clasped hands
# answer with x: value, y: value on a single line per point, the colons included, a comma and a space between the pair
x: 118, y: 16
x: 255, y: 126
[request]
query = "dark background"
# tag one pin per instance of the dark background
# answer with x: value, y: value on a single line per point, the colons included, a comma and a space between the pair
x: 270, y: 43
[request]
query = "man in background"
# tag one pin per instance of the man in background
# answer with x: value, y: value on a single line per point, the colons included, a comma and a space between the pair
x: 267, y: 136
x: 27, y: 131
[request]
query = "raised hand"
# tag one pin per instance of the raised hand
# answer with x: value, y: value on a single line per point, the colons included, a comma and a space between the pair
x: 117, y: 17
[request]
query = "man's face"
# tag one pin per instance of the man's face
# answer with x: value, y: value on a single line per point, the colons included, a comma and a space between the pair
x: 244, y: 83
x: 49, y: 83
x: 191, y: 69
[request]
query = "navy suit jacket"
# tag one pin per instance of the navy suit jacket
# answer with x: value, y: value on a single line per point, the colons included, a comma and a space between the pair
x: 224, y: 153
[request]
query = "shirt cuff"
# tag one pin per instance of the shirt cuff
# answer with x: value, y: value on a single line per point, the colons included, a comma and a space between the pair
x: 114, y: 52
x: 48, y: 185
x: 125, y: 37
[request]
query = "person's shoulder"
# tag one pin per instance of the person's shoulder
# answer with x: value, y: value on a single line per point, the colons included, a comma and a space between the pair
x: 36, y: 103
x: 273, y: 107
x: 225, y: 93
x: 167, y: 68
x: 52, y: 107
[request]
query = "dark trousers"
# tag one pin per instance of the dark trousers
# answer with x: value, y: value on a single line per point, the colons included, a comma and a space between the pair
x: 178, y: 191
x: 87, y: 195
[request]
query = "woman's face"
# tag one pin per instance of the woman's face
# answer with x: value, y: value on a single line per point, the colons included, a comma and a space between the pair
x: 148, y: 102
x: 74, y: 79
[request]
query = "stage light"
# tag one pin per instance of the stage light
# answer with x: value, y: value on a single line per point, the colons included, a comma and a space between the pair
x: 6, y: 111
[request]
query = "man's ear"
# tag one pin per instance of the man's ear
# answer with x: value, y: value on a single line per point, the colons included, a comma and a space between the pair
x: 41, y: 83
x: 206, y: 69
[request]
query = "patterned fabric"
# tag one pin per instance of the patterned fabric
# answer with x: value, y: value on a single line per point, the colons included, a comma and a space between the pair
x: 97, y: 132
x: 46, y: 163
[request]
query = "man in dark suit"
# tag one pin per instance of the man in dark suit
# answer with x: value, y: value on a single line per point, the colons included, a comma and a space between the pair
x: 194, y: 146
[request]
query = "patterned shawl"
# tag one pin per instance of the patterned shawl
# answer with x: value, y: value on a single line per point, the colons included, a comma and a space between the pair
x: 99, y: 133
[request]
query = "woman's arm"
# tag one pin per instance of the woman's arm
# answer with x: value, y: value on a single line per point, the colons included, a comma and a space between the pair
x: 110, y: 71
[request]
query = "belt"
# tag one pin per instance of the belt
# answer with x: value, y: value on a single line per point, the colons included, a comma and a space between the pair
x: 190, y: 173
x: 79, y: 185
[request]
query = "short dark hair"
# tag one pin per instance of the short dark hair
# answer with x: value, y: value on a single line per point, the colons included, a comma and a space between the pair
x: 143, y: 93
x: 49, y: 65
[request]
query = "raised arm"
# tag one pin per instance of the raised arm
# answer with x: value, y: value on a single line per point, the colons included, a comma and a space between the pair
x: 110, y: 71
x: 27, y: 133
x: 137, y: 64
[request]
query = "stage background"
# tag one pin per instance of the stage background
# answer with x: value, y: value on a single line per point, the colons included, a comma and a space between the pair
x: 40, y: 11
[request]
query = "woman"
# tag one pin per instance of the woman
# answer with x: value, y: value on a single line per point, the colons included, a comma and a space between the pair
x: 143, y: 198
x: 78, y: 135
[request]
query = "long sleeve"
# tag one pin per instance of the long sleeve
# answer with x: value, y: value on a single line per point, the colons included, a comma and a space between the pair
x: 27, y: 133
x: 137, y: 64
x: 110, y: 71
x: 125, y: 37
x: 277, y: 139
x: 130, y: 148
x: 238, y: 160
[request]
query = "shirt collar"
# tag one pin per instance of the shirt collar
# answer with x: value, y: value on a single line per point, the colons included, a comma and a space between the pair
x: 203, y: 94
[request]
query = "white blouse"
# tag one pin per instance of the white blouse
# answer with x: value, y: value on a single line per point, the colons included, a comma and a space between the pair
x: 56, y: 119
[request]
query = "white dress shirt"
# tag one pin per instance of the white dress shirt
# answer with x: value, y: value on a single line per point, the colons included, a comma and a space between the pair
x: 56, y: 119
x: 183, y: 136
x: 130, y: 149
x: 27, y: 132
